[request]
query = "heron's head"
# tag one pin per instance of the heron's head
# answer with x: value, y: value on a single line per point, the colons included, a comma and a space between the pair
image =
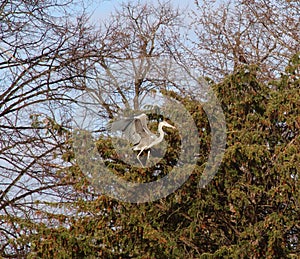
x: 166, y: 124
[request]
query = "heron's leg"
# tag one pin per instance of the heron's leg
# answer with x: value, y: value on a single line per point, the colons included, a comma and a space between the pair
x: 148, y: 156
x: 140, y: 162
x: 138, y: 157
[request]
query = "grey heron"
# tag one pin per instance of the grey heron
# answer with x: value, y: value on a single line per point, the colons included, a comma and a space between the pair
x: 136, y: 131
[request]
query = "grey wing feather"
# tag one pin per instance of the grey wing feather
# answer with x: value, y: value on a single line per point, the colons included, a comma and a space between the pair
x: 132, y: 134
x: 127, y: 126
x: 144, y: 121
x: 134, y: 129
x: 119, y: 124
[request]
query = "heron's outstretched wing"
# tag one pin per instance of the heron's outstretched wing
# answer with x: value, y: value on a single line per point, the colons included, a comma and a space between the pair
x: 134, y: 129
x: 132, y: 134
x: 142, y: 125
x: 119, y: 124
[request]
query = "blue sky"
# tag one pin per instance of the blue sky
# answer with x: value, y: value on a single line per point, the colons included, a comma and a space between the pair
x: 102, y: 8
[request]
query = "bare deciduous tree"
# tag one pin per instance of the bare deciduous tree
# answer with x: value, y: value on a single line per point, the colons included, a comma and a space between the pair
x: 130, y: 38
x: 264, y: 33
x: 43, y: 59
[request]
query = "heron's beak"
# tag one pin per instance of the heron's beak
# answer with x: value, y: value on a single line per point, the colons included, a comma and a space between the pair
x: 170, y: 126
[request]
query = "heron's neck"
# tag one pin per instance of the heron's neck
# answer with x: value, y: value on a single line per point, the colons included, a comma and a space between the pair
x: 160, y: 137
x: 161, y: 132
